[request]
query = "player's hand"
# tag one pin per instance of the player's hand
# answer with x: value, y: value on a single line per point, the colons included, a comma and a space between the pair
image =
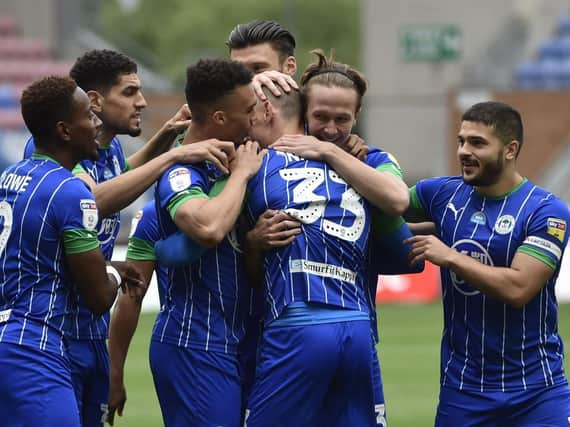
x: 271, y: 79
x: 180, y: 121
x: 356, y: 147
x: 117, y: 398
x: 305, y: 146
x: 132, y: 280
x: 248, y: 159
x: 273, y: 229
x: 220, y: 153
x: 429, y: 248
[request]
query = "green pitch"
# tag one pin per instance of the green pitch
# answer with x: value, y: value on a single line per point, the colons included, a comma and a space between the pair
x: 409, y: 355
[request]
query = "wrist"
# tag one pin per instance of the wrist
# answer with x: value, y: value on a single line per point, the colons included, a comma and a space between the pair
x: 112, y: 271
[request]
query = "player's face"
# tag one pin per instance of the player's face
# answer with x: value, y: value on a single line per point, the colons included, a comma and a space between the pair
x: 122, y: 106
x: 481, y: 154
x: 331, y: 112
x: 259, y: 58
x: 240, y: 114
x: 84, y: 127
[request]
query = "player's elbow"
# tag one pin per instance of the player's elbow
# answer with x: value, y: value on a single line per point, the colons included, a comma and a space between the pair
x: 101, y: 302
x: 399, y: 204
x: 519, y: 298
x: 100, y: 306
x: 208, y: 236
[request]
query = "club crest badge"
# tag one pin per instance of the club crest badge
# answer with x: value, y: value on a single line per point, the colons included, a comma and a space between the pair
x: 505, y: 224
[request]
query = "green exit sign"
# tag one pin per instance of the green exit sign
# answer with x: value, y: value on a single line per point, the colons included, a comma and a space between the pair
x: 430, y: 43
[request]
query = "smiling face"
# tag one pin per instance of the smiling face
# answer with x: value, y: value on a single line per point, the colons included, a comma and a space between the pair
x: 481, y: 154
x: 331, y: 112
x: 121, y: 106
x: 83, y: 127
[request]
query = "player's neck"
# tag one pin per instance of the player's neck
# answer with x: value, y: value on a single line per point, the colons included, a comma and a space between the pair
x: 505, y: 185
x: 105, y: 137
x: 197, y: 133
x: 62, y: 157
x: 291, y: 127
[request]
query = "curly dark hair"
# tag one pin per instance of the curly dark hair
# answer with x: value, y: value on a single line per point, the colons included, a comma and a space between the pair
x: 46, y: 102
x: 209, y: 80
x: 263, y: 31
x: 328, y: 72
x: 101, y: 69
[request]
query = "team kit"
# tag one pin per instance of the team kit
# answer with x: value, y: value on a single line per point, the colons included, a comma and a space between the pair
x: 270, y: 223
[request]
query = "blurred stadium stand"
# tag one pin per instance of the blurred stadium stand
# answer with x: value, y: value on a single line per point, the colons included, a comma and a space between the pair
x: 550, y: 68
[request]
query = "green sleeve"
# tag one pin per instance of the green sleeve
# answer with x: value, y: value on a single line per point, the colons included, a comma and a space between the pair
x: 78, y: 169
x: 415, y: 204
x: 392, y: 168
x: 179, y: 199
x: 140, y: 250
x: 79, y: 241
x: 127, y: 167
x: 383, y: 223
x: 537, y: 254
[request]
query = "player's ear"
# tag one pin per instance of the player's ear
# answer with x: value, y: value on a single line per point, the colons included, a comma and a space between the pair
x: 512, y: 150
x: 96, y: 100
x: 268, y: 112
x: 62, y: 131
x: 290, y: 66
x: 219, y: 117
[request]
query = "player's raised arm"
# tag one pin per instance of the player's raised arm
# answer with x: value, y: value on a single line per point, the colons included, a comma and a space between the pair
x: 207, y: 221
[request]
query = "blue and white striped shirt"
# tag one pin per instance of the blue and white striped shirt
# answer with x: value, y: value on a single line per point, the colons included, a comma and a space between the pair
x: 488, y: 345
x: 40, y: 201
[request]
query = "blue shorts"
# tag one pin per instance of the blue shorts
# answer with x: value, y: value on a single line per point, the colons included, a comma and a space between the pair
x: 546, y: 406
x: 313, y: 375
x: 248, y: 355
x: 196, y: 387
x: 377, y: 389
x: 35, y: 389
x: 90, y: 377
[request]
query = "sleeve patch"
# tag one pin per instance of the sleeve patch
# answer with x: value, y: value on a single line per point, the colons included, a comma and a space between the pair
x: 556, y: 227
x: 179, y: 179
x: 544, y: 245
x: 90, y: 214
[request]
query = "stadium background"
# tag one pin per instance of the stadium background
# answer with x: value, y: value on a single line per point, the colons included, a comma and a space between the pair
x: 426, y: 62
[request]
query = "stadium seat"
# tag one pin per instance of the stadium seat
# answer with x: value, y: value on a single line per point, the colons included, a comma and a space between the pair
x: 527, y: 76
x: 564, y: 26
x: 7, y: 26
x: 8, y: 97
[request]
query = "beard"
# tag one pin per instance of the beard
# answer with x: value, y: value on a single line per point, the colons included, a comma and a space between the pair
x: 489, y: 173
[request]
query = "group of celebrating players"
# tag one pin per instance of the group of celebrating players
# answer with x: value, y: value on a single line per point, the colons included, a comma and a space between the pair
x: 270, y: 224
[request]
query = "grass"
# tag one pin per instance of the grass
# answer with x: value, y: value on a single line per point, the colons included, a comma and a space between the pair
x: 409, y: 354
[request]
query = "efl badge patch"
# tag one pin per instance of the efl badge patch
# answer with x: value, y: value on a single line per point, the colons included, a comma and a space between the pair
x: 179, y: 179
x: 90, y: 214
x: 556, y: 227
x: 505, y: 224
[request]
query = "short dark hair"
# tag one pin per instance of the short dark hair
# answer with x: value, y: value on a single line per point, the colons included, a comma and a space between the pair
x: 289, y: 103
x: 504, y: 119
x: 46, y: 102
x: 209, y: 80
x: 263, y: 31
x: 328, y: 72
x: 101, y: 69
